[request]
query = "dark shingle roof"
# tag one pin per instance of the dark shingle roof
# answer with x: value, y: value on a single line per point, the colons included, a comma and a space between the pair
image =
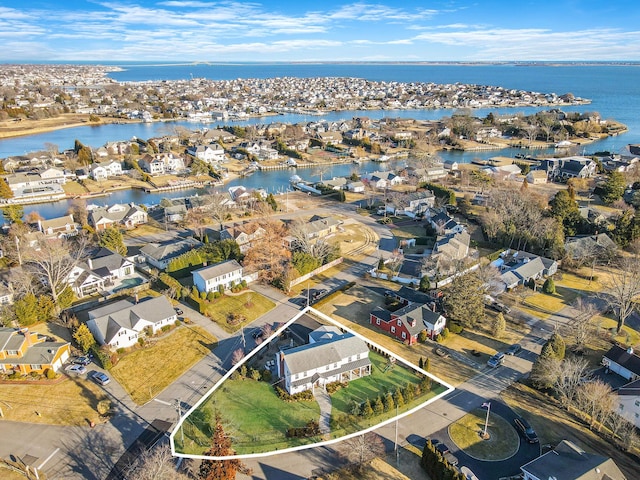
x: 624, y: 358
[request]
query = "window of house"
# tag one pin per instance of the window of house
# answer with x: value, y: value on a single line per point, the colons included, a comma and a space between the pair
x: 36, y: 367
x: 399, y: 322
x: 404, y: 335
x: 377, y: 321
x: 12, y: 352
x: 393, y: 329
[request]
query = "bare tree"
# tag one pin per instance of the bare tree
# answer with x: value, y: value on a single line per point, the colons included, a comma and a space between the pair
x: 569, y: 374
x: 623, y: 287
x: 237, y: 356
x: 269, y: 256
x: 218, y: 207
x: 595, y: 399
x: 362, y: 449
x: 316, y: 247
x: 52, y: 261
x: 154, y: 464
x: 623, y: 430
x: 196, y: 220
x: 489, y: 276
x: 582, y: 325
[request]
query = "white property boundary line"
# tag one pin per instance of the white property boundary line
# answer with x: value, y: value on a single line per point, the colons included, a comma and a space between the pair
x: 326, y: 318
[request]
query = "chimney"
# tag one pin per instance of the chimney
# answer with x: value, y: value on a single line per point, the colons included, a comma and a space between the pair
x: 281, y: 365
x: 433, y: 306
x: 27, y: 335
x: 136, y: 298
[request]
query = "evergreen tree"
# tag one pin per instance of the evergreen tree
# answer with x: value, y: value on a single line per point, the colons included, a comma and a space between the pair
x: 398, y: 398
x: 112, y: 239
x: 5, y: 190
x: 378, y: 406
x: 425, y: 284
x: 367, y: 411
x: 498, y: 326
x: 221, y: 447
x: 558, y: 345
x: 13, y: 213
x: 389, y: 404
x: 84, y: 337
x: 549, y: 286
x: 26, y: 309
x: 421, y: 363
x: 613, y: 188
x: 427, y: 364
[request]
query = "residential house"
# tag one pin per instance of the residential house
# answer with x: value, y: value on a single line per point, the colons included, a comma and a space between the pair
x: 451, y: 165
x: 598, y: 247
x: 629, y: 402
x: 243, y: 234
x: 443, y: 224
x: 176, y: 211
x: 339, y: 358
x: 329, y: 138
x: 60, y: 227
x: 519, y: 267
x: 355, y: 187
x: 159, y: 255
x: 53, y: 175
x: 102, y: 170
x: 99, y: 271
x: 120, y: 215
x: 418, y: 203
x: 536, y: 177
x: 153, y: 165
x: 382, y: 180
x: 427, y: 174
x: 224, y: 274
x: 623, y: 361
x: 26, y: 352
x: 6, y: 294
x: 320, y: 227
x: 336, y: 183
x: 407, y: 322
x: 120, y: 324
x: 212, y: 153
x: 569, y: 462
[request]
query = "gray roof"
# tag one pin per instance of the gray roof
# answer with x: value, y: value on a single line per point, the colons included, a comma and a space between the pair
x: 568, y: 462
x: 38, y: 354
x: 169, y: 250
x: 105, y: 258
x: 213, y: 271
x: 529, y: 269
x: 315, y: 355
x: 631, y: 388
x: 123, y: 314
x: 324, y: 333
x: 9, y: 339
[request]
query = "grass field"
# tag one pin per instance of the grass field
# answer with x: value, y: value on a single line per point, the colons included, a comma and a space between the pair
x: 371, y: 386
x: 73, y: 401
x: 252, y: 415
x: 250, y: 305
x: 146, y: 372
x: 502, y: 443
x: 543, y: 305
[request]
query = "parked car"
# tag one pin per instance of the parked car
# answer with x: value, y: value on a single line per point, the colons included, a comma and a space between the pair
x: 178, y: 311
x: 513, y: 349
x: 496, y: 360
x: 101, y: 378
x: 442, y: 448
x: 441, y: 352
x: 76, y: 369
x: 84, y: 361
x: 500, y: 307
x: 451, y: 458
x: 526, y: 430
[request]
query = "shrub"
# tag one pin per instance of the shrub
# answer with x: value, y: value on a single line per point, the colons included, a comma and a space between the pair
x: 15, y: 375
x: 266, y: 375
x: 203, y: 295
x: 439, y: 338
x: 333, y: 387
x: 445, y: 333
x: 165, y: 328
x: 102, y: 358
x: 455, y: 327
x: 422, y: 337
x: 221, y: 289
x: 549, y: 286
x: 141, y: 341
x: 121, y: 350
x: 211, y: 296
x: 50, y: 373
x: 216, y: 295
x: 254, y: 374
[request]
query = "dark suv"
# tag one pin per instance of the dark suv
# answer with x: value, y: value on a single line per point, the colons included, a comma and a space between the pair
x: 525, y: 429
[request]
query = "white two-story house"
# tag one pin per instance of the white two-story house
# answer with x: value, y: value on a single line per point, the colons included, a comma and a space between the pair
x: 209, y: 279
x: 120, y: 324
x: 330, y: 357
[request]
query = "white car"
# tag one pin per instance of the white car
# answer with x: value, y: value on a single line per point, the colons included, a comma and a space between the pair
x: 76, y: 369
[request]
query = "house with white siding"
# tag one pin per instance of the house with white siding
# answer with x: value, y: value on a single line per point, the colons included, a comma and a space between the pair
x: 226, y: 274
x: 120, y: 324
x: 333, y: 356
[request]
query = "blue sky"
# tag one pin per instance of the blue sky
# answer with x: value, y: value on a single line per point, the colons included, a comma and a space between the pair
x: 329, y: 30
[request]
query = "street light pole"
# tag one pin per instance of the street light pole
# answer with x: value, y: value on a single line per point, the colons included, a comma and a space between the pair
x: 486, y: 422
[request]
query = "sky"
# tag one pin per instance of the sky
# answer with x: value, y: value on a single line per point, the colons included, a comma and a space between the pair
x: 328, y: 30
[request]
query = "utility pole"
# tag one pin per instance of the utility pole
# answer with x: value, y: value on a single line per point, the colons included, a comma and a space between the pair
x: 395, y: 447
x: 486, y: 422
x: 179, y: 409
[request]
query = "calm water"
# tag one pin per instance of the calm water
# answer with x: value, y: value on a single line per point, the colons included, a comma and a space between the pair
x: 614, y: 91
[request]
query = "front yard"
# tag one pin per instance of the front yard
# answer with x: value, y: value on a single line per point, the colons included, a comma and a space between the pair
x: 232, y: 312
x: 253, y: 416
x: 72, y: 401
x: 146, y: 372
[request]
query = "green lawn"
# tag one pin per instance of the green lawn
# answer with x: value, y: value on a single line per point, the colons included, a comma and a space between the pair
x: 543, y: 305
x: 369, y: 387
x: 252, y: 415
x: 146, y: 372
x: 502, y: 443
x: 250, y: 305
